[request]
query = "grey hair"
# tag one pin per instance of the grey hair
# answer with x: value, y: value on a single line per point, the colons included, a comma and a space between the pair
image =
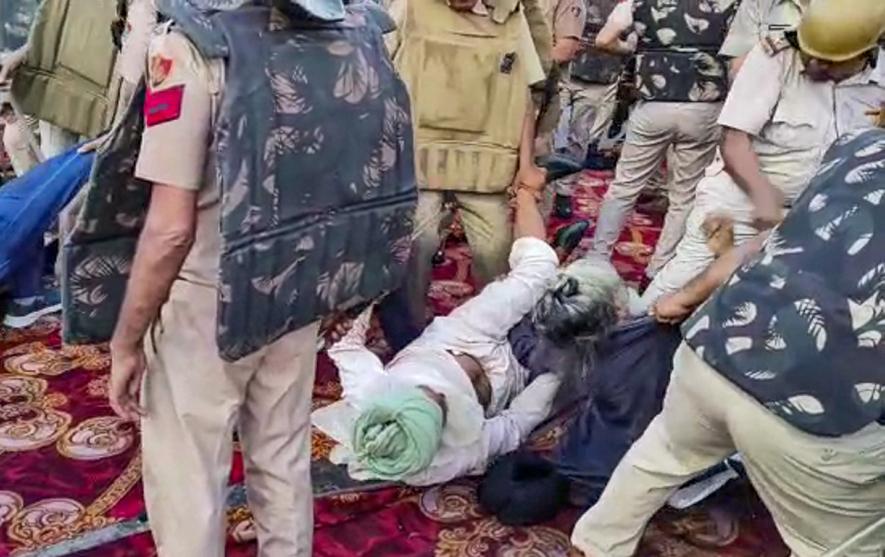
x: 579, y: 309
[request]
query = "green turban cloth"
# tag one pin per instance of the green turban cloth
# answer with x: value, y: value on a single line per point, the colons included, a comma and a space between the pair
x: 397, y: 435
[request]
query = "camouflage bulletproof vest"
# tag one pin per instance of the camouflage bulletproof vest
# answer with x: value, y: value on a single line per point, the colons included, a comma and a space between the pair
x: 315, y: 165
x: 678, y: 52
x: 592, y: 65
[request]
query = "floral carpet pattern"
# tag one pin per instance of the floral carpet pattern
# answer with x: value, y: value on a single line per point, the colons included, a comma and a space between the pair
x: 70, y: 471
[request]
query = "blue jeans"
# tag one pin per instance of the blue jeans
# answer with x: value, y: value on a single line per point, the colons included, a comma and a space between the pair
x: 28, y: 207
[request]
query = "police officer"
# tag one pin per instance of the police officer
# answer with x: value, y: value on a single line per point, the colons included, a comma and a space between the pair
x: 783, y: 364
x: 468, y: 65
x: 588, y: 93
x: 758, y: 20
x: 776, y: 130
x: 307, y: 171
x: 682, y: 82
x: 567, y: 19
x: 587, y: 97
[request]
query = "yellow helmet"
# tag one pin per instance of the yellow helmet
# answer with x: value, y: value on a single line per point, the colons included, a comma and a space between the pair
x: 839, y: 30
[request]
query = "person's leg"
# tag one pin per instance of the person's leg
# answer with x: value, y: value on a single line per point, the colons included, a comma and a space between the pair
x: 692, y: 152
x: 55, y: 140
x: 18, y: 147
x: 26, y: 282
x: 428, y: 216
x: 717, y: 194
x: 192, y: 399
x: 819, y: 490
x: 589, y: 105
x: 275, y: 434
x: 567, y: 99
x: 605, y: 113
x: 651, y: 130
x: 685, y: 439
x: 29, y: 298
x: 486, y: 219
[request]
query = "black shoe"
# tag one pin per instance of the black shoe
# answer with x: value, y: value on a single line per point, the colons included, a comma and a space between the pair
x: 568, y: 237
x: 558, y: 166
x: 438, y: 258
x: 562, y: 206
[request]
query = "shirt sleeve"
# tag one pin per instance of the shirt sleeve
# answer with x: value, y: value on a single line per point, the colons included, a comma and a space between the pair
x: 500, y: 435
x: 755, y: 92
x: 503, y: 303
x: 140, y: 23
x: 569, y: 19
x: 354, y: 361
x: 534, y: 70
x: 744, y: 32
x: 622, y: 15
x: 178, y: 114
x: 509, y: 429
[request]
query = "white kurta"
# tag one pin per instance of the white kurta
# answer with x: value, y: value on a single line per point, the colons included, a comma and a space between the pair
x: 478, y: 328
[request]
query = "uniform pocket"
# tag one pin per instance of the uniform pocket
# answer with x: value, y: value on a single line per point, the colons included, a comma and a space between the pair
x: 795, y: 125
x: 457, y: 86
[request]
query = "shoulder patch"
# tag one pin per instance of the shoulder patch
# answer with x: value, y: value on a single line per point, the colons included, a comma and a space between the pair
x: 773, y: 43
x: 163, y: 106
x: 159, y: 69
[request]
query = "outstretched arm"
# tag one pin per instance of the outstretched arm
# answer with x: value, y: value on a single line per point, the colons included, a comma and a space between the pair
x: 354, y: 361
x: 678, y: 306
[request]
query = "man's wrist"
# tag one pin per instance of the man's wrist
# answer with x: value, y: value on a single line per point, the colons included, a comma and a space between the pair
x: 121, y: 343
x: 527, y: 195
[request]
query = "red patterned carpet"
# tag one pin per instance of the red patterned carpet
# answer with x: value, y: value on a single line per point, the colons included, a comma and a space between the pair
x: 70, y: 472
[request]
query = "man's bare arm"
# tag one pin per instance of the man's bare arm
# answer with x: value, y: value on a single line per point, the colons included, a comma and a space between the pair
x: 742, y: 164
x: 162, y: 248
x: 566, y: 49
x: 528, y: 221
x: 679, y: 305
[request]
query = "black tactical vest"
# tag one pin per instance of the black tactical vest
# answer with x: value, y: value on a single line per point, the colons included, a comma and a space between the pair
x: 678, y: 52
x: 592, y: 65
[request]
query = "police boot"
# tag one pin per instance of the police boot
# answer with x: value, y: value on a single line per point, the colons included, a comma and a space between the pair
x: 558, y: 166
x: 568, y: 237
x: 562, y: 206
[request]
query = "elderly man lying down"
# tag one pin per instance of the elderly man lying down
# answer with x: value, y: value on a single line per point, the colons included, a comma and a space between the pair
x: 457, y: 397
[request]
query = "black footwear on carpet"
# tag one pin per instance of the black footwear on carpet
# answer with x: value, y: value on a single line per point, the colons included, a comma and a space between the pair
x: 562, y: 206
x: 558, y: 166
x: 438, y: 258
x: 568, y: 237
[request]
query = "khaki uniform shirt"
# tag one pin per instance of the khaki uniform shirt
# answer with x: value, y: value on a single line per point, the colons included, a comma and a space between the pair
x: 178, y: 152
x: 140, y: 22
x: 756, y: 19
x: 794, y: 120
x: 567, y: 18
x: 534, y: 68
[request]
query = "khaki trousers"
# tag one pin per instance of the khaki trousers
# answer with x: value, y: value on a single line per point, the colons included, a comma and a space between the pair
x: 194, y: 402
x: 18, y: 147
x: 717, y: 194
x: 486, y: 220
x: 819, y: 490
x: 53, y: 141
x: 690, y: 132
x: 586, y: 112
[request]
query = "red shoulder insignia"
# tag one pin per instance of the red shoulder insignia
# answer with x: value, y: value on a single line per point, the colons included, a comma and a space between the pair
x: 163, y: 106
